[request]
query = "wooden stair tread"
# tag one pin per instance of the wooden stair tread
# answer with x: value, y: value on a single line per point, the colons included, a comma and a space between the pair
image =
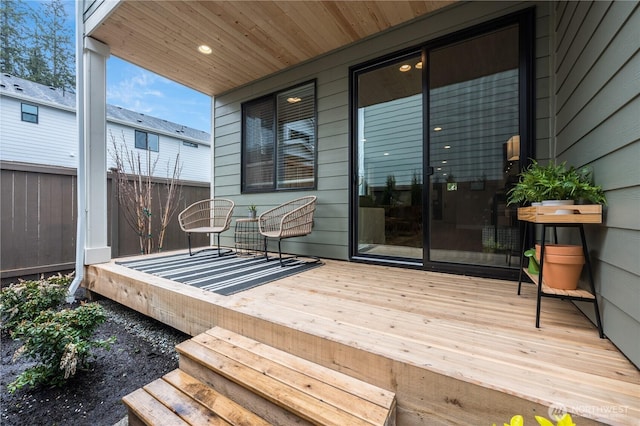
x: 149, y: 411
x: 364, y: 390
x: 312, y: 392
x: 224, y: 407
x: 179, y: 399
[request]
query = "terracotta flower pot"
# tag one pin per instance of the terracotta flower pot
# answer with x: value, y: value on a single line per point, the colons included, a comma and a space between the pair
x: 562, y: 265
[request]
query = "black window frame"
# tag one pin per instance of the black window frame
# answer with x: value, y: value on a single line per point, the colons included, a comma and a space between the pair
x: 146, y: 146
x: 272, y: 99
x: 525, y: 19
x: 24, y: 113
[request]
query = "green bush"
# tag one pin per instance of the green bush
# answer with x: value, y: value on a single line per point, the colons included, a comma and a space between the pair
x: 27, y: 299
x: 59, y: 342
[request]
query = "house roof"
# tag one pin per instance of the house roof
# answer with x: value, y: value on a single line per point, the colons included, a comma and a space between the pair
x: 249, y: 40
x: 28, y: 90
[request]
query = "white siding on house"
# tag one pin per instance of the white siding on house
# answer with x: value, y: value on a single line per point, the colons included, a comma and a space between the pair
x: 51, y: 141
x: 597, y: 46
x: 195, y: 162
x: 331, y: 232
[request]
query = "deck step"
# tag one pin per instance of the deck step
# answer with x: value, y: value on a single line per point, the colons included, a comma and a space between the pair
x: 180, y: 399
x: 227, y: 379
x: 282, y: 388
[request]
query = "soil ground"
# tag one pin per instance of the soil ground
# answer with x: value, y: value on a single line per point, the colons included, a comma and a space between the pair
x: 142, y: 353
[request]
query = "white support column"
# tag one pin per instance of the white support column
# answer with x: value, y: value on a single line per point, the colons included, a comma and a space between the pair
x: 212, y: 188
x: 94, y: 130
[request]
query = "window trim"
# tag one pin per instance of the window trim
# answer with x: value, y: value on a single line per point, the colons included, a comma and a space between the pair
x: 24, y: 113
x: 273, y: 97
x: 146, y: 139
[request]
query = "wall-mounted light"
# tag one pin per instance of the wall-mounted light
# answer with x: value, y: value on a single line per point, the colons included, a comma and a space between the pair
x: 513, y: 148
x: 203, y: 48
x: 405, y: 67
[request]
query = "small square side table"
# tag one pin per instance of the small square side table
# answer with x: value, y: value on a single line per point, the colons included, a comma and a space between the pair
x: 247, y: 238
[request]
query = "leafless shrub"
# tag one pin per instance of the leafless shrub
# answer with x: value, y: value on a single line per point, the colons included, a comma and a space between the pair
x: 133, y: 176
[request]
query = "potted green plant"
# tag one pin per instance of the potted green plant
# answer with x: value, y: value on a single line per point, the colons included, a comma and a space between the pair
x: 252, y: 211
x: 538, y: 183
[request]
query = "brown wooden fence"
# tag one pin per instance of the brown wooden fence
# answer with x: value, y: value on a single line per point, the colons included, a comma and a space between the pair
x: 38, y: 207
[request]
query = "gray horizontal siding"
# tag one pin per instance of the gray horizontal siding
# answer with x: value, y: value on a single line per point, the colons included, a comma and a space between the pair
x: 597, y: 110
x: 332, y: 76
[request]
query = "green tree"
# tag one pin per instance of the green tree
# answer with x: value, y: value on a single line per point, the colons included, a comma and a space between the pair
x: 36, y: 66
x: 12, y: 21
x: 57, y: 42
x: 36, y: 43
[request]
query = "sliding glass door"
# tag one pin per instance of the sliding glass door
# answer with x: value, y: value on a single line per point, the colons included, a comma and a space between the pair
x: 474, y: 149
x: 438, y: 136
x: 389, y: 159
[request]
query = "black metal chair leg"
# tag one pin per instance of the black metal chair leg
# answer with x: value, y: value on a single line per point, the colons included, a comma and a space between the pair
x: 266, y: 256
x: 189, y: 242
x: 280, y: 253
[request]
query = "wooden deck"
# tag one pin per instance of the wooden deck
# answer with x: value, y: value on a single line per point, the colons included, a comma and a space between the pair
x: 454, y: 349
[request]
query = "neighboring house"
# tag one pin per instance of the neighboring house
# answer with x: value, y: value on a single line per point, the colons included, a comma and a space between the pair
x: 39, y: 127
x: 416, y: 130
x: 39, y: 157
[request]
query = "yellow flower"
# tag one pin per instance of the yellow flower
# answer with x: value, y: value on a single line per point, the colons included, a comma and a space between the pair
x: 564, y: 421
x: 516, y: 421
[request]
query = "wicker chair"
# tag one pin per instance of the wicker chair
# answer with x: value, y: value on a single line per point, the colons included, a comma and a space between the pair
x: 291, y: 219
x: 206, y: 217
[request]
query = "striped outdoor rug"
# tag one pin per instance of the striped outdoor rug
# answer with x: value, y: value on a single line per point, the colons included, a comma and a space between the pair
x: 223, y: 275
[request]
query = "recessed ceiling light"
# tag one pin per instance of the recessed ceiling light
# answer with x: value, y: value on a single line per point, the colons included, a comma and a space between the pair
x: 447, y: 146
x: 444, y: 161
x: 439, y: 168
x: 203, y: 48
x: 386, y: 153
x: 437, y: 129
x: 405, y: 67
x: 293, y: 100
x: 419, y: 65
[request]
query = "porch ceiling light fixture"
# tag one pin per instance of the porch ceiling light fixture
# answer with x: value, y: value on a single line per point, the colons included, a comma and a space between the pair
x: 203, y: 48
x: 447, y: 147
x: 405, y: 67
x: 419, y: 65
x: 437, y: 129
x: 444, y: 161
x: 293, y: 100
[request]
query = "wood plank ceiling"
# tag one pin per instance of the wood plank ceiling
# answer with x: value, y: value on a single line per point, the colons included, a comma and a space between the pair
x: 249, y: 39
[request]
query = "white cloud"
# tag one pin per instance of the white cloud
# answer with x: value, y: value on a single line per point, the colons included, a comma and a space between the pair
x: 131, y: 92
x: 142, y: 91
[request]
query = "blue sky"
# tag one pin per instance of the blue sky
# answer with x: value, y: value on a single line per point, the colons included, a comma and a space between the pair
x: 137, y: 89
x: 134, y: 88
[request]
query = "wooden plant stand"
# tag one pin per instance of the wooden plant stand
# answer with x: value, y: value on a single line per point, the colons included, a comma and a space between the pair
x: 547, y: 217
